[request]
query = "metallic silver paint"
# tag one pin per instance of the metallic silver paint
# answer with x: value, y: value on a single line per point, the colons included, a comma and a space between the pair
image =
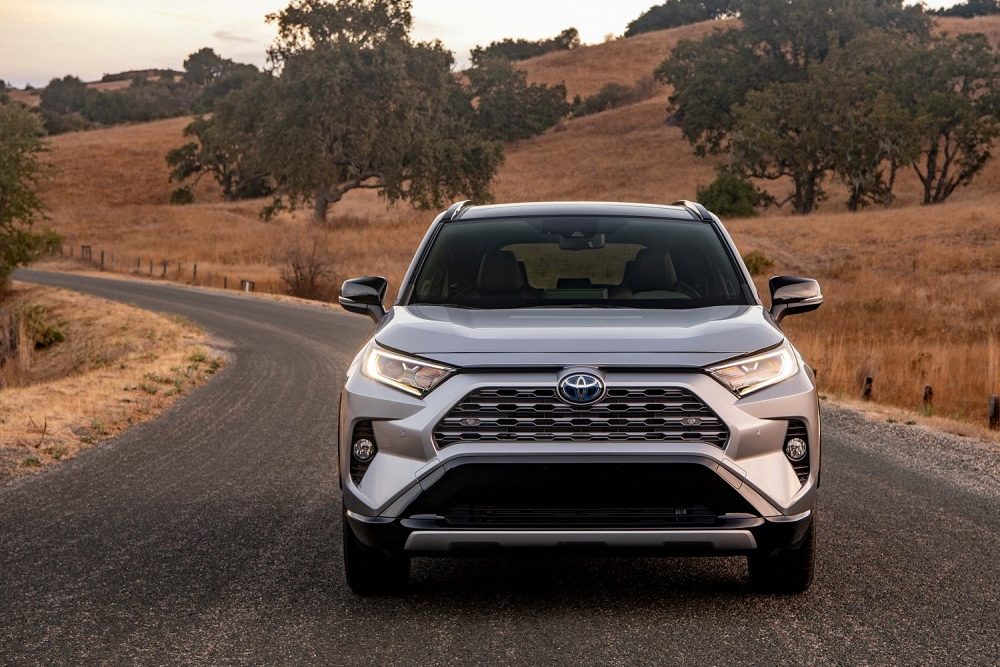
x: 535, y: 347
x: 722, y: 331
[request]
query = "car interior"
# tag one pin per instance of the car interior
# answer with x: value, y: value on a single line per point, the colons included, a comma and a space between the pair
x: 651, y: 264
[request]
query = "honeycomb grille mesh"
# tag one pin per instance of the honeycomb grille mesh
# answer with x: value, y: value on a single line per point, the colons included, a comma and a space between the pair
x: 625, y: 414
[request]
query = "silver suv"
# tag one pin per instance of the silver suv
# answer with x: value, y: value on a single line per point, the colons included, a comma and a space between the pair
x: 579, y: 376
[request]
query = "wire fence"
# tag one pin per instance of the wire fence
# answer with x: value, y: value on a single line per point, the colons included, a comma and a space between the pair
x: 105, y: 259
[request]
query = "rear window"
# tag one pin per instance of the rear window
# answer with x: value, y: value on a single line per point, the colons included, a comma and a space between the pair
x: 578, y: 261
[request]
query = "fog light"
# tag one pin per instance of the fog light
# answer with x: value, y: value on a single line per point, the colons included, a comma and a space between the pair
x: 795, y: 449
x: 363, y: 449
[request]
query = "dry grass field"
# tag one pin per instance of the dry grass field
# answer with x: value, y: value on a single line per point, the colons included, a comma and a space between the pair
x: 913, y: 293
x: 118, y: 366
x: 626, y: 60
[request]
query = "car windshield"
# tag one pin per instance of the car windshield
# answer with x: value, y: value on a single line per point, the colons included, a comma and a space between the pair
x: 570, y: 261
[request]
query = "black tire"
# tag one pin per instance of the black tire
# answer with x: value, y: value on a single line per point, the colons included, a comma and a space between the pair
x: 371, y: 571
x: 789, y: 571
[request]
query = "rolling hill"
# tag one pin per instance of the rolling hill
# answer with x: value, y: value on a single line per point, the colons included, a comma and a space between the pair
x: 913, y: 292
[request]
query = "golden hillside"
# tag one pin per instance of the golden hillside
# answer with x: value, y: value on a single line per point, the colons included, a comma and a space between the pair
x: 585, y: 70
x: 625, y: 61
x: 913, y: 293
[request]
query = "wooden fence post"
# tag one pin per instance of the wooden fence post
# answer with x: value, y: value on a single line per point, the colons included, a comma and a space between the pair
x: 995, y: 413
x: 102, y: 260
x: 150, y: 267
x: 164, y: 268
x: 194, y: 273
x: 225, y: 282
x: 866, y: 388
x: 928, y: 400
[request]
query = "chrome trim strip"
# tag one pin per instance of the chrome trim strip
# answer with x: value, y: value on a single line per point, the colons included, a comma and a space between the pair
x: 368, y: 519
x: 446, y: 540
x: 789, y: 519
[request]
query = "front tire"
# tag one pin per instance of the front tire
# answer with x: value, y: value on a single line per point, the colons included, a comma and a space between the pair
x: 372, y: 571
x: 789, y: 571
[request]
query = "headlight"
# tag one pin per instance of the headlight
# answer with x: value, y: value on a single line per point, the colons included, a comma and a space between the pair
x: 747, y: 375
x: 414, y: 376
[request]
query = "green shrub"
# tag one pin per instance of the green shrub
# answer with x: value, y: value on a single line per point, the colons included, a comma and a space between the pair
x: 757, y: 262
x: 732, y: 196
x: 614, y: 95
x: 59, y: 123
x: 44, y: 242
x: 182, y: 196
x: 610, y: 95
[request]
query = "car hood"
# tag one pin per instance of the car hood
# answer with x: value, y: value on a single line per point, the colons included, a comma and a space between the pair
x: 459, y: 335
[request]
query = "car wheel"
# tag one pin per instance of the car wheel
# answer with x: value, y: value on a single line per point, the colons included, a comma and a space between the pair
x: 372, y: 571
x: 789, y: 571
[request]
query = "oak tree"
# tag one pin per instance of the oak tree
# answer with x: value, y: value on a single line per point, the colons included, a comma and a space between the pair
x: 355, y: 103
x: 20, y: 170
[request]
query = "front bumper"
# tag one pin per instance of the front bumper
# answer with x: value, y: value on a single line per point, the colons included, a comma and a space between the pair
x: 738, y: 536
x: 769, y: 507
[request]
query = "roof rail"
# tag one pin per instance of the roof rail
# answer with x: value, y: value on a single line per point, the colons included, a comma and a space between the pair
x: 454, y: 210
x: 697, y: 211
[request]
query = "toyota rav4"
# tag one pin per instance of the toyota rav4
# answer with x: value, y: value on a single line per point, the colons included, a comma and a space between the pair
x: 574, y: 376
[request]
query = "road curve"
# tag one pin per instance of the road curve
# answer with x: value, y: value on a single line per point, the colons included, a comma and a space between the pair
x: 211, y: 536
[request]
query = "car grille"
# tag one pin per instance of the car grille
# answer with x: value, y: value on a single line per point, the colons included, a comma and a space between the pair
x: 625, y: 414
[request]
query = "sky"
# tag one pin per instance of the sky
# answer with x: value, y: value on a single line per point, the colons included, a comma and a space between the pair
x: 43, y: 39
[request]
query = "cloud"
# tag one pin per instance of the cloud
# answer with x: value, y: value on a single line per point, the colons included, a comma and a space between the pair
x: 233, y: 38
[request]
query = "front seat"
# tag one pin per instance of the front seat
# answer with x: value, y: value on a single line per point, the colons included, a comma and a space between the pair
x: 651, y: 275
x: 501, y: 278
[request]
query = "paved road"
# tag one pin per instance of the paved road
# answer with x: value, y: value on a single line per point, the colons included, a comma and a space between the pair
x: 210, y: 536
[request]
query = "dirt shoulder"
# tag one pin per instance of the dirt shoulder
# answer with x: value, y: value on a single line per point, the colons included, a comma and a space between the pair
x: 103, y: 367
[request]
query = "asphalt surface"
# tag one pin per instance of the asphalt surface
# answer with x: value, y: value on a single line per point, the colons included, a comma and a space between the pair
x: 211, y: 536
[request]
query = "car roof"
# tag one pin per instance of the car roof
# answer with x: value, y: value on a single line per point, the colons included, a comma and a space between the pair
x: 541, y: 209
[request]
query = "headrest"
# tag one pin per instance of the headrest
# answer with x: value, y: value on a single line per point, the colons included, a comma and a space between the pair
x: 574, y: 283
x: 652, y: 270
x: 499, y: 273
x: 524, y: 272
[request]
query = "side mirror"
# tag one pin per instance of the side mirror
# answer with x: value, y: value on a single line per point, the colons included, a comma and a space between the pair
x: 365, y: 296
x: 791, y: 295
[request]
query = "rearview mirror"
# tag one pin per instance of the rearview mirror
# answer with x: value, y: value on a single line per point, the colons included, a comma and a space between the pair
x: 579, y: 241
x: 365, y: 296
x: 791, y: 295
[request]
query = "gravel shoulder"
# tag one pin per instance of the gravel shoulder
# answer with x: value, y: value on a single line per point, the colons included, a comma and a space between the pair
x: 966, y: 463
